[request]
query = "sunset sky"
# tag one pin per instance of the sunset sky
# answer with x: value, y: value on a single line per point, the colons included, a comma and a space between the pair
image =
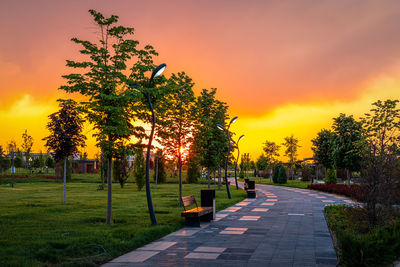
x: 284, y: 67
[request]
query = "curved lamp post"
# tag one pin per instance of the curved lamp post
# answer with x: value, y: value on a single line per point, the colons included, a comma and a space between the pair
x: 222, y: 128
x: 237, y: 159
x: 156, y: 72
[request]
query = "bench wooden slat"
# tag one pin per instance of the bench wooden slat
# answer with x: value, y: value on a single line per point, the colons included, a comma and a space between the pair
x: 188, y: 201
x: 196, y: 212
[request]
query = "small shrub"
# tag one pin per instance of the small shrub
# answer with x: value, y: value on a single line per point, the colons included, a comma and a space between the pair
x: 160, y: 163
x: 139, y: 170
x: 331, y: 176
x: 282, y: 177
x: 275, y: 174
x: 241, y: 173
x: 305, y: 173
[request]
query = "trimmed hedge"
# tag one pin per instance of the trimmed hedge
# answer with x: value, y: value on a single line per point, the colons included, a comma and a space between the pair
x: 353, y: 191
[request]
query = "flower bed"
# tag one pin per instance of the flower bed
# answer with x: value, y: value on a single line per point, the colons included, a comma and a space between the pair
x: 353, y: 191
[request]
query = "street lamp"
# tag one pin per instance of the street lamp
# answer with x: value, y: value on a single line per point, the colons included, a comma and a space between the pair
x: 222, y: 128
x: 237, y: 159
x: 156, y: 72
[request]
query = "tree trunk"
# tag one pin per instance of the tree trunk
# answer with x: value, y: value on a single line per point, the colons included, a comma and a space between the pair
x: 326, y: 175
x: 208, y: 177
x: 348, y: 177
x: 219, y: 178
x: 65, y: 179
x: 12, y: 171
x: 156, y: 160
x: 215, y: 177
x: 180, y: 178
x: 109, y: 190
x: 102, y: 169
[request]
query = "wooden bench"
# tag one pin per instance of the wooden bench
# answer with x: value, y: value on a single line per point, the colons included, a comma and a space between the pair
x: 251, y: 189
x: 245, y: 184
x: 194, y: 215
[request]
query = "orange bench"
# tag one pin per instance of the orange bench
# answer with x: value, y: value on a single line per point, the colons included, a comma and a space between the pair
x: 194, y: 215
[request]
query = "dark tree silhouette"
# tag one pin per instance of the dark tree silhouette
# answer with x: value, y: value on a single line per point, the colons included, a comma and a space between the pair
x: 65, y: 137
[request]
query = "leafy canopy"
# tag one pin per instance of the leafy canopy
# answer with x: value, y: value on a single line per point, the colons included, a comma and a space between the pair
x: 104, y: 80
x: 65, y: 128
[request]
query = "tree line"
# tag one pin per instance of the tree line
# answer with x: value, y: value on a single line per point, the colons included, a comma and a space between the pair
x: 115, y: 88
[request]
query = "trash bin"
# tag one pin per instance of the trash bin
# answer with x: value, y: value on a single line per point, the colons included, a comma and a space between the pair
x: 251, y: 185
x: 208, y: 199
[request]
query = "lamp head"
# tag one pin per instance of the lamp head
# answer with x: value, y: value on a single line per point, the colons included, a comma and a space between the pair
x: 233, y: 120
x: 222, y: 128
x: 158, y: 71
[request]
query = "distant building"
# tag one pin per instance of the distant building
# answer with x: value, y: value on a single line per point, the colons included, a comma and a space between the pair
x: 86, y: 166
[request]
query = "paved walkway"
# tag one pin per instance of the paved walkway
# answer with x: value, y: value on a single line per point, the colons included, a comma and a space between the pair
x: 281, y: 227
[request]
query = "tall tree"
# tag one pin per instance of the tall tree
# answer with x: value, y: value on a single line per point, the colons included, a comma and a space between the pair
x: 382, y: 125
x: 349, y: 136
x: 245, y: 163
x: 12, y: 149
x: 271, y: 152
x: 27, y: 143
x: 380, y: 166
x: 104, y: 79
x: 292, y: 144
x: 210, y: 143
x: 176, y: 124
x: 66, y: 136
x: 323, y: 147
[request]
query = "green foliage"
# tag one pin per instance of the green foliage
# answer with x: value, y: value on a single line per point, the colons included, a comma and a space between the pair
x: 349, y: 136
x: 121, y: 170
x: 305, y: 173
x: 292, y: 144
x: 27, y: 144
x: 5, y: 164
x: 193, y: 167
x: 271, y: 152
x: 241, y: 173
x: 18, y: 160
x: 210, y: 142
x: 377, y: 247
x: 162, y: 172
x: 275, y: 173
x: 282, y: 177
x: 69, y: 169
x: 331, y: 176
x: 50, y: 162
x: 65, y: 128
x: 382, y: 126
x: 323, y: 146
x: 36, y: 163
x: 139, y: 169
x: 245, y: 163
x: 176, y: 124
x: 105, y: 80
x: 58, y: 234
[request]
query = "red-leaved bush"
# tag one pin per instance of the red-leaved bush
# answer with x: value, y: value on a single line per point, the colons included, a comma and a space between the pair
x: 353, y: 191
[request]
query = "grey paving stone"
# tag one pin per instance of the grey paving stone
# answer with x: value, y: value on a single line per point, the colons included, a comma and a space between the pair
x: 274, y: 239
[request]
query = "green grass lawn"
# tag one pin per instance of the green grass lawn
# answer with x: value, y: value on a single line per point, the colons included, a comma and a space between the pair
x: 36, y: 229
